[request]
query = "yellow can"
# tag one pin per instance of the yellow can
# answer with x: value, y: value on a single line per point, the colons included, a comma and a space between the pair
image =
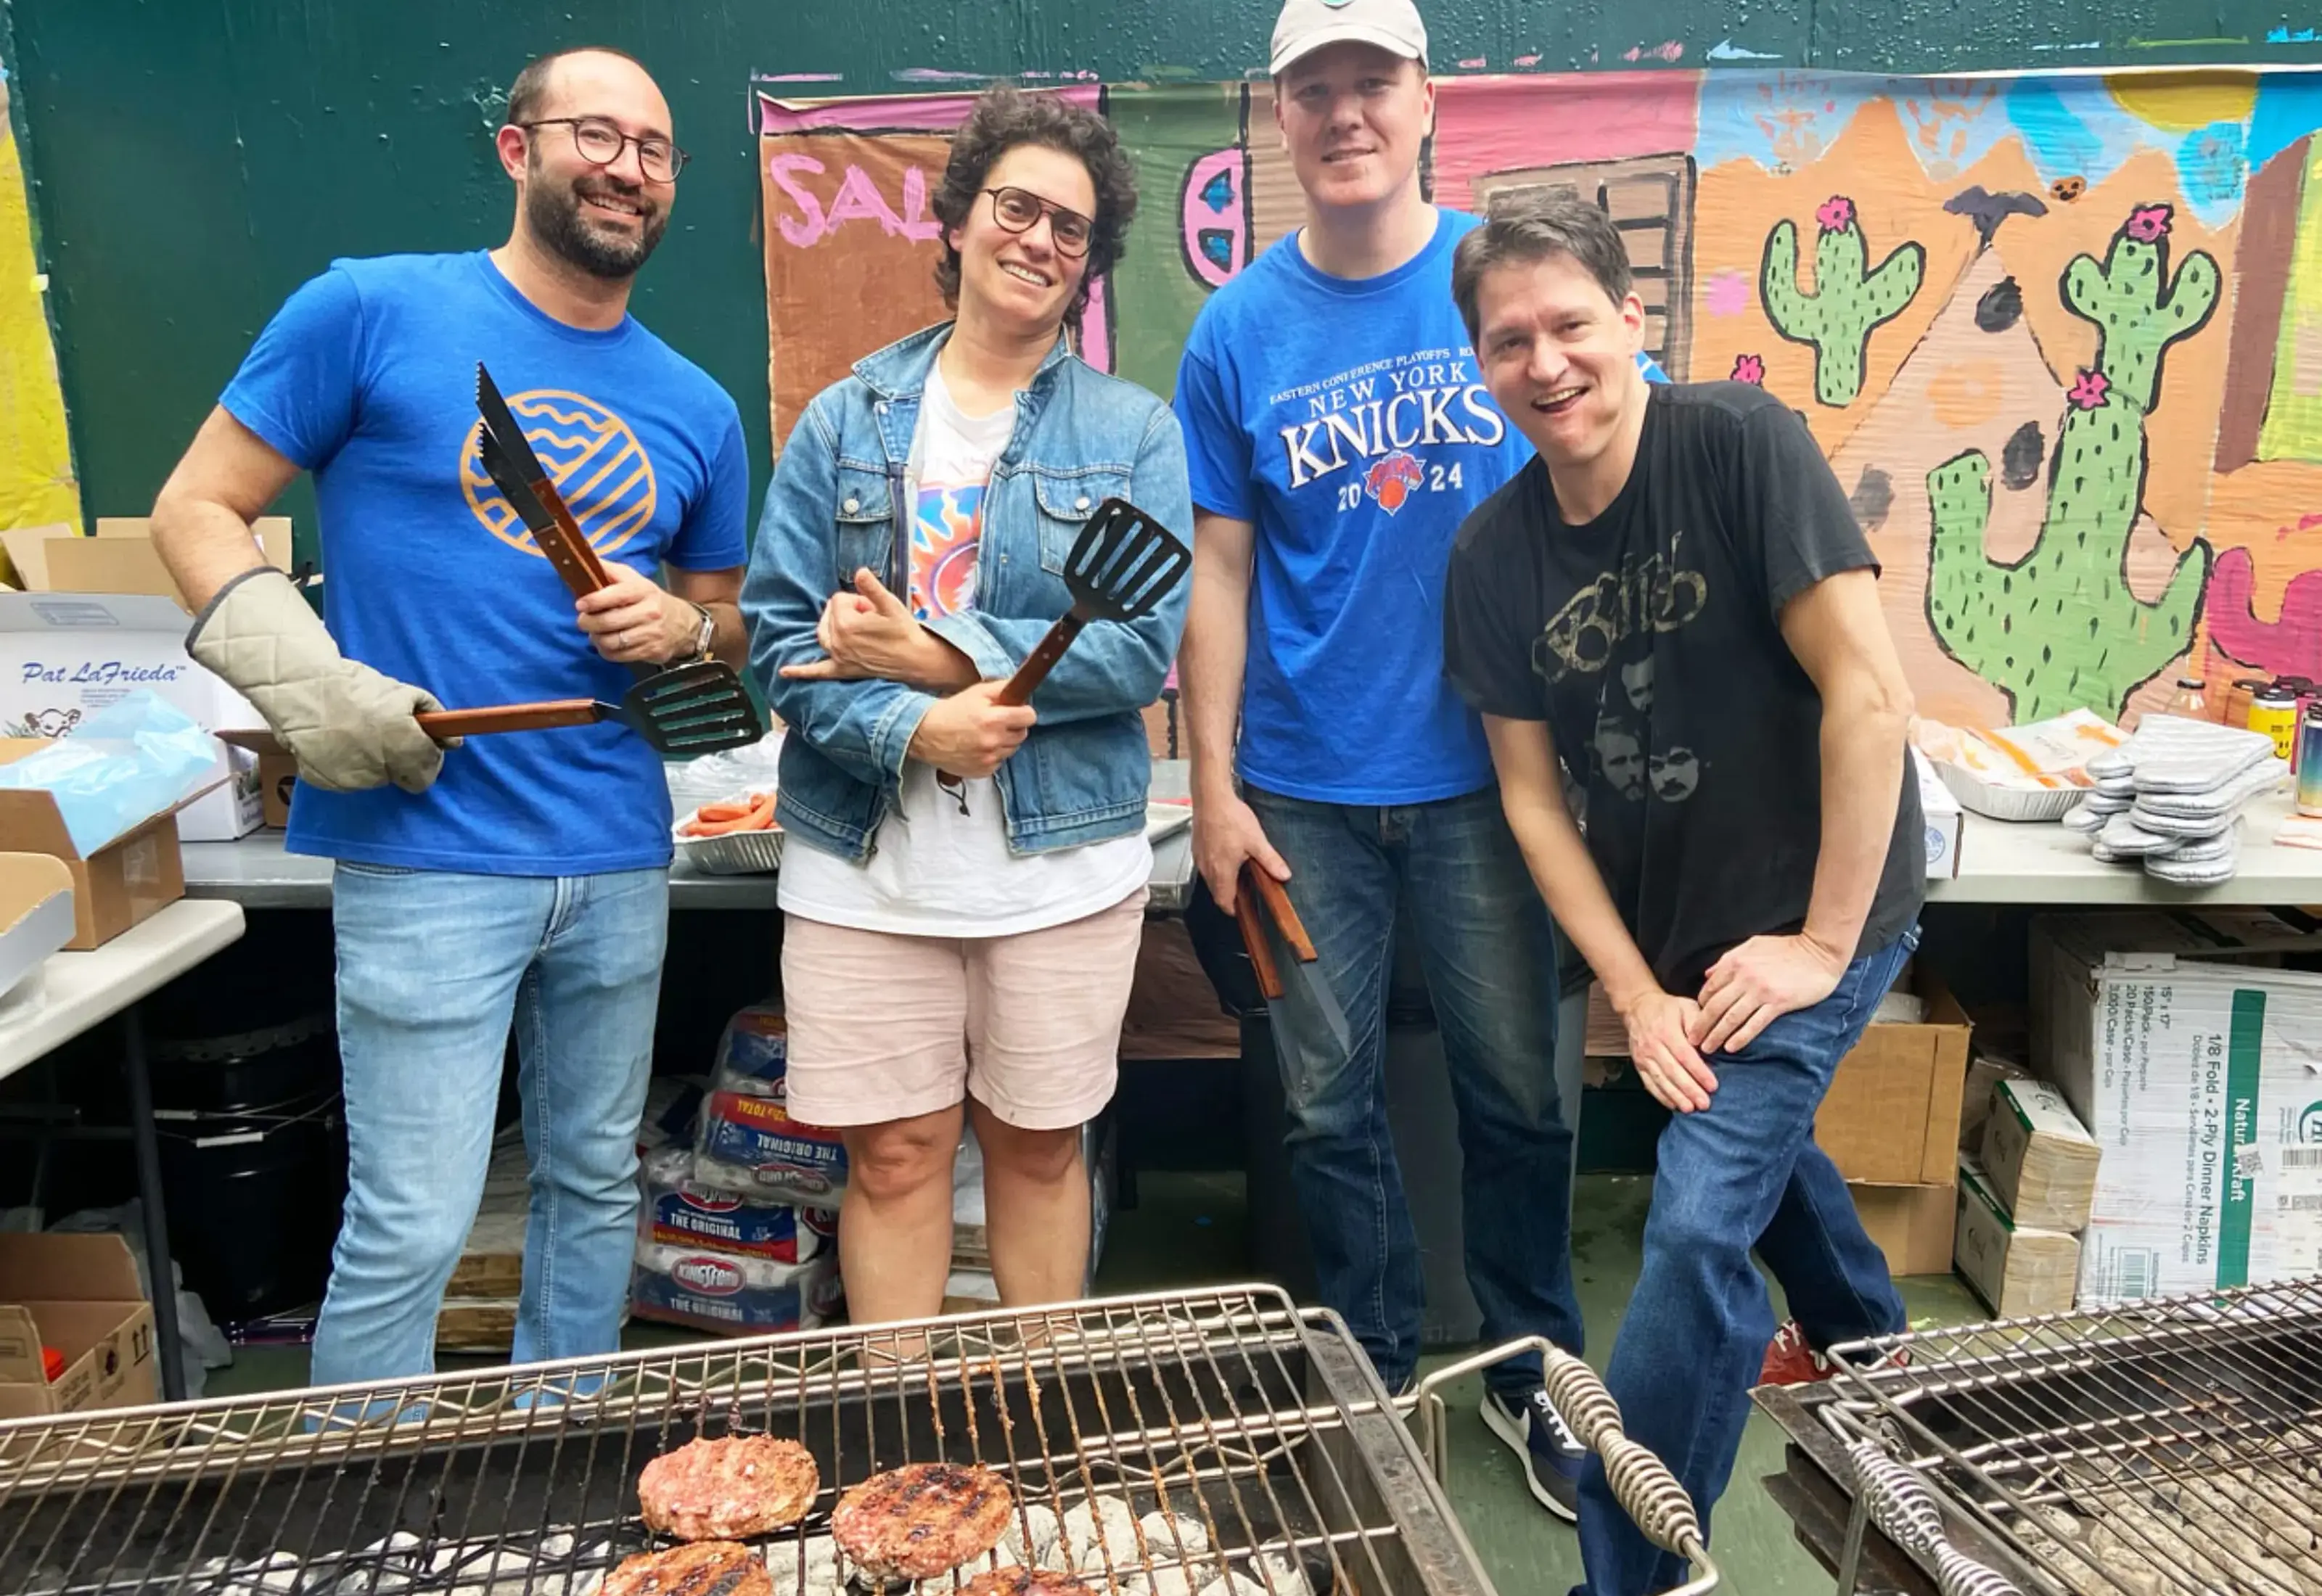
x: 2274, y: 712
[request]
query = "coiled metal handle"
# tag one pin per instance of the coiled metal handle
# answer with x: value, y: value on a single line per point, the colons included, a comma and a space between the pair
x: 1653, y: 1497
x: 1906, y: 1512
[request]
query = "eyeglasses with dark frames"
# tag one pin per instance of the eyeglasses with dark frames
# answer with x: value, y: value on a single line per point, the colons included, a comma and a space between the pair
x: 600, y: 144
x: 1016, y: 209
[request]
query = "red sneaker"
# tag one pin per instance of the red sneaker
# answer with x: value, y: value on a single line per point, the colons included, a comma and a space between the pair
x: 1791, y: 1359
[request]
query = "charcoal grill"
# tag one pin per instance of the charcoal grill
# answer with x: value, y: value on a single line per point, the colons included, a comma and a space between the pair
x: 2173, y: 1444
x: 1259, y: 1421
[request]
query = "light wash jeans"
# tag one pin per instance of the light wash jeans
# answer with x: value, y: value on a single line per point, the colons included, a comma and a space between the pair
x: 432, y: 967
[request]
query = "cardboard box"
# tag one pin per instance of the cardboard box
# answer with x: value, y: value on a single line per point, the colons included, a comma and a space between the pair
x: 2018, y: 1269
x: 1911, y: 1224
x: 278, y: 775
x: 1891, y: 1116
x: 78, y: 1294
x: 1946, y: 823
x: 36, y: 914
x: 2041, y: 1160
x: 100, y: 618
x: 129, y: 879
x: 2192, y: 1060
x: 1984, y: 1072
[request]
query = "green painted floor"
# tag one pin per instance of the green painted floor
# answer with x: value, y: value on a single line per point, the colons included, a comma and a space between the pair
x: 1188, y: 1230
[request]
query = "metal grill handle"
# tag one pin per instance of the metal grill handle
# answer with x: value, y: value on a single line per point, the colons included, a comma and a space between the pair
x: 1899, y: 1502
x: 1653, y: 1497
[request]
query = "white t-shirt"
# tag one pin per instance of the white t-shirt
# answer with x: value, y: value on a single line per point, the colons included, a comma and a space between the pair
x: 940, y: 866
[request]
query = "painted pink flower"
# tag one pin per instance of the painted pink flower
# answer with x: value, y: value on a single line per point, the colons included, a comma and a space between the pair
x: 1749, y: 369
x: 1835, y: 213
x: 2149, y: 224
x: 2088, y: 391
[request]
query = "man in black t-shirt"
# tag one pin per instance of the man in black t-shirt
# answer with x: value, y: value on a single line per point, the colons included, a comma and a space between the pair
x: 1674, y: 600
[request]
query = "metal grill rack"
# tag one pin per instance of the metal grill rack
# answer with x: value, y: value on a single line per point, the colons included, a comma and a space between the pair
x: 2168, y: 1446
x: 1232, y: 1408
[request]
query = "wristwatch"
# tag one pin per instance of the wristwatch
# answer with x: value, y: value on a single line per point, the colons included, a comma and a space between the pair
x: 706, y: 635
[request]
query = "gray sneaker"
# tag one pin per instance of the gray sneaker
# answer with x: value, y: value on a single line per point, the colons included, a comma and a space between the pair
x: 1534, y: 1431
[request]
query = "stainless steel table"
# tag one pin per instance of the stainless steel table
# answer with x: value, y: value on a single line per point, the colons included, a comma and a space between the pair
x: 257, y: 874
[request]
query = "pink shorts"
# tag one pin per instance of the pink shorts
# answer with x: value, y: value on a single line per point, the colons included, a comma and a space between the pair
x: 886, y: 1027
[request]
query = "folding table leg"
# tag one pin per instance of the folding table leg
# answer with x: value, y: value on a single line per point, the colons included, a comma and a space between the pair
x: 167, y: 1345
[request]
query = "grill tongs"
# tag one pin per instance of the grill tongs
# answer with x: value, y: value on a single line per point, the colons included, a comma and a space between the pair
x: 697, y: 708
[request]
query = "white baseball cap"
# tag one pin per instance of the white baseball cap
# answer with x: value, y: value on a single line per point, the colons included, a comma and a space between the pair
x: 1305, y: 26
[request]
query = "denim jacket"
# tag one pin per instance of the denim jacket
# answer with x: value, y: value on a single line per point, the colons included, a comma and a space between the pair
x: 839, y: 503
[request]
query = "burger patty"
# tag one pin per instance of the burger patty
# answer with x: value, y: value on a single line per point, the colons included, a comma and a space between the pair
x: 729, y: 1488
x: 1027, y: 1582
x: 705, y: 1568
x: 922, y: 1519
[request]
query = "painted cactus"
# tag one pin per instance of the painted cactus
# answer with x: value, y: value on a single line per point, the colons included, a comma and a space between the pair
x: 1848, y: 302
x: 2060, y: 629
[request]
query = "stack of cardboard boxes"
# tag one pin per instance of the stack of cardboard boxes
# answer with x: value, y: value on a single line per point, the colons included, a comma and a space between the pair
x: 2023, y: 1199
x: 99, y: 618
x: 2189, y: 1044
x: 1891, y: 1123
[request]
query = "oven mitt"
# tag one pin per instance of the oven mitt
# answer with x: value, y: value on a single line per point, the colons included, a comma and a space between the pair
x: 2169, y: 753
x: 2200, y: 864
x: 2218, y: 802
x: 349, y: 726
x: 2123, y: 838
x: 2089, y: 814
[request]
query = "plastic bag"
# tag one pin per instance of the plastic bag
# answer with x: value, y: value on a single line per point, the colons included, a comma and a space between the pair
x: 122, y: 766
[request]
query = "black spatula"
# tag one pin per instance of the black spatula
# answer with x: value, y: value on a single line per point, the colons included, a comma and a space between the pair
x: 1123, y: 563
x: 683, y: 711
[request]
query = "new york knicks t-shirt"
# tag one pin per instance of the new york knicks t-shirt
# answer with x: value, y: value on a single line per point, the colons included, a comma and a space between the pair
x: 367, y: 379
x: 1347, y: 419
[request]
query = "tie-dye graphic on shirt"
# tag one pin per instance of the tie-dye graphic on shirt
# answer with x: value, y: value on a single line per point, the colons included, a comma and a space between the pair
x: 945, y: 530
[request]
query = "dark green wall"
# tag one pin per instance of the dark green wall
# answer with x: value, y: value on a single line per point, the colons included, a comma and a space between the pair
x: 195, y: 159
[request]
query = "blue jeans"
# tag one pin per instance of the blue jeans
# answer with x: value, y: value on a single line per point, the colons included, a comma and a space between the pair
x: 431, y: 969
x: 1744, y: 1169
x: 1489, y: 958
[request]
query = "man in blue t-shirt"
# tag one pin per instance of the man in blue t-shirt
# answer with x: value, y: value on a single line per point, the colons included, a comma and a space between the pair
x: 521, y: 877
x: 1337, y: 432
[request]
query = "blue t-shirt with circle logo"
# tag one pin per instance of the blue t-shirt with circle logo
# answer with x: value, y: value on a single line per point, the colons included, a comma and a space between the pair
x: 1346, y: 420
x: 367, y: 379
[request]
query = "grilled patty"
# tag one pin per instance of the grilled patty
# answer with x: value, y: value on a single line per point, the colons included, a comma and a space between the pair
x: 729, y: 1488
x: 922, y: 1519
x: 1027, y: 1582
x: 705, y: 1568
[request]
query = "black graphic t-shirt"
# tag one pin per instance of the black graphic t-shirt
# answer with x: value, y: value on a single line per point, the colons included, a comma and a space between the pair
x: 1649, y: 641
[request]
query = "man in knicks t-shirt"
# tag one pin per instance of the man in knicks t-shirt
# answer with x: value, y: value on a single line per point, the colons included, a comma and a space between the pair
x: 522, y: 877
x: 1674, y: 600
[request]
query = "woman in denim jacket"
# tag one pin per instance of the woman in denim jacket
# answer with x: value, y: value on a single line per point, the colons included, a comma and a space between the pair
x: 965, y: 884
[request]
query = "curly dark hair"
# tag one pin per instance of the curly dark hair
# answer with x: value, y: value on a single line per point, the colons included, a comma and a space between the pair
x: 1005, y: 118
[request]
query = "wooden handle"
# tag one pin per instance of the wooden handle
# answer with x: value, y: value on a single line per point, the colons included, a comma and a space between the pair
x: 541, y: 716
x: 1042, y: 660
x: 1253, y: 940
x: 576, y: 562
x: 1285, y: 919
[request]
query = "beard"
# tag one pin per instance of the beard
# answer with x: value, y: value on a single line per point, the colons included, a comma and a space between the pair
x: 557, y: 219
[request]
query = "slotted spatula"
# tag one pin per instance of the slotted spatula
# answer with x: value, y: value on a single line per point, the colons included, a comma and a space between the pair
x: 1123, y: 563
x: 682, y: 712
x: 697, y: 708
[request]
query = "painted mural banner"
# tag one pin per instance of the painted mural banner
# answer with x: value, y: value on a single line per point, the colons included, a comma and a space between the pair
x: 2059, y: 336
x: 37, y: 486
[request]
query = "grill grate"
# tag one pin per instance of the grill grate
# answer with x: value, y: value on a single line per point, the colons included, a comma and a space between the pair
x: 2171, y: 1445
x: 1258, y: 1425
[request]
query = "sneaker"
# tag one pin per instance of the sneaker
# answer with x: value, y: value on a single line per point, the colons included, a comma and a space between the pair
x: 1535, y: 1432
x: 1792, y: 1360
